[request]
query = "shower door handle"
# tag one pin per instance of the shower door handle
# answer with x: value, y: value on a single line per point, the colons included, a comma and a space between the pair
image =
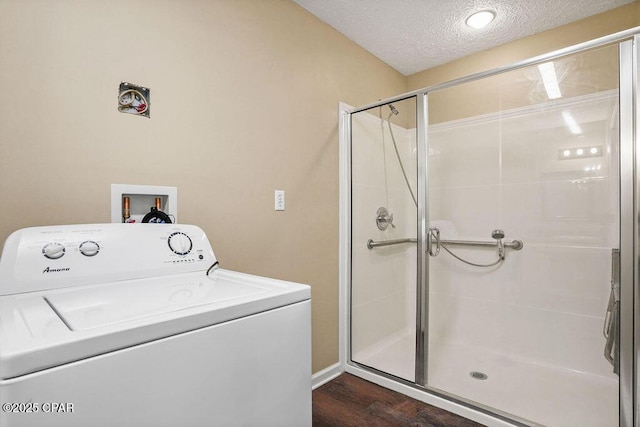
x: 611, y: 329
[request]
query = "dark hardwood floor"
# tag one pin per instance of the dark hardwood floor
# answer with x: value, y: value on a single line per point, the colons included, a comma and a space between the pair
x: 352, y: 401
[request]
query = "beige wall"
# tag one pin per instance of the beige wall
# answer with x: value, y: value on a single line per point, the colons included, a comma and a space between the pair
x: 244, y: 98
x: 610, y: 22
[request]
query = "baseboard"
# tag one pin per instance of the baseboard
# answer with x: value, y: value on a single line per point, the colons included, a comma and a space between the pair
x: 324, y: 376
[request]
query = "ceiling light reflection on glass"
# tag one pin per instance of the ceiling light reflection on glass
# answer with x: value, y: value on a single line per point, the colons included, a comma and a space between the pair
x: 480, y: 19
x: 550, y: 80
x: 580, y: 152
x: 571, y: 123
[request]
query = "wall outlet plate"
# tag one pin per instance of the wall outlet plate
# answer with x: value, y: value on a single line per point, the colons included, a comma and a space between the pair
x: 279, y: 200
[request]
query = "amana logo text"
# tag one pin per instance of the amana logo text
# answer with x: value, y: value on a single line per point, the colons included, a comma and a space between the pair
x: 54, y: 270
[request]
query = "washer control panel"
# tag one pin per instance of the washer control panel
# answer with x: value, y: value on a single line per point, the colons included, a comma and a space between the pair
x: 52, y: 257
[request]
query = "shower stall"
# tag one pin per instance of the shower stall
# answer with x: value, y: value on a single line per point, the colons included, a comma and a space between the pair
x: 489, y: 248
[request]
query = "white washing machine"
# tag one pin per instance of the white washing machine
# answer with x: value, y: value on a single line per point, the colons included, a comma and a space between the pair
x: 120, y: 325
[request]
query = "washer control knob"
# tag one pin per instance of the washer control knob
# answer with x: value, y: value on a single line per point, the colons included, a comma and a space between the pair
x: 89, y: 248
x: 180, y: 243
x: 53, y: 250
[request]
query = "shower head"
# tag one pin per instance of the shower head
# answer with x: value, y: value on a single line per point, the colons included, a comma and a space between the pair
x: 393, y: 109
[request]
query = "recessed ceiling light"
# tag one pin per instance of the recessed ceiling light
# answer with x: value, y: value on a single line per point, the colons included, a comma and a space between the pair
x: 480, y: 19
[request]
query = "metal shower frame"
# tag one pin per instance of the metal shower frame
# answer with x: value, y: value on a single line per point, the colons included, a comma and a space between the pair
x: 629, y: 54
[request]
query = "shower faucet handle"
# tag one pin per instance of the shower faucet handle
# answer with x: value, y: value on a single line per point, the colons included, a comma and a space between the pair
x: 384, y: 219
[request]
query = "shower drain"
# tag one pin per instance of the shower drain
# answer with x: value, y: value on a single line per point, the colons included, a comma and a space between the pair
x: 478, y: 375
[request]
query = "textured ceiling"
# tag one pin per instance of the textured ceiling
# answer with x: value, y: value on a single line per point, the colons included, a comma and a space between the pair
x: 413, y: 35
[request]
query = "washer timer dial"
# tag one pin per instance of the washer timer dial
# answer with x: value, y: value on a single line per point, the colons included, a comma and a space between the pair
x: 180, y: 243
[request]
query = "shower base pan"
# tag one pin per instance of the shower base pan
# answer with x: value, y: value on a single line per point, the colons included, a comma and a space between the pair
x: 544, y: 394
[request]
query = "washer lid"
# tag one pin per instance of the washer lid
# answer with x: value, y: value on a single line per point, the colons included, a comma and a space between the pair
x: 44, y: 329
x: 90, y: 308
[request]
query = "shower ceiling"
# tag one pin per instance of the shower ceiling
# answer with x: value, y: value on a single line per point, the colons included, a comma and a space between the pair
x: 413, y: 35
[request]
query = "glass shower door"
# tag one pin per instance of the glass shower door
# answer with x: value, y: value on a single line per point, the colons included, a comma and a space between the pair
x: 531, y: 156
x: 383, y: 233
